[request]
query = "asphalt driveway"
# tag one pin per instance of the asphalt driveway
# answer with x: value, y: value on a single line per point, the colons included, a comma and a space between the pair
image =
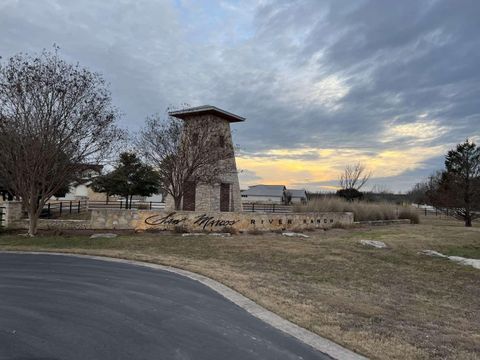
x: 60, y: 307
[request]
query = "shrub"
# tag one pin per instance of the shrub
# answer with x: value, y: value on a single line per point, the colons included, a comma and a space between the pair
x: 409, y: 213
x: 350, y: 194
x: 143, y: 206
x: 180, y: 230
x: 362, y: 211
x: 338, y: 225
x: 229, y: 230
x: 255, y: 232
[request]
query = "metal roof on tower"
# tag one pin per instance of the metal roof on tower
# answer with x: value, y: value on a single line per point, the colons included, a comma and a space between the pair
x: 205, y: 110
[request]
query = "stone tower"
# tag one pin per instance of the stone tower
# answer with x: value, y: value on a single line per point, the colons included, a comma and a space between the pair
x: 224, y: 195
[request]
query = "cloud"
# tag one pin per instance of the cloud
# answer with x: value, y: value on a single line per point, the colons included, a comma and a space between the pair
x: 321, y: 82
x: 319, y: 169
x: 248, y: 178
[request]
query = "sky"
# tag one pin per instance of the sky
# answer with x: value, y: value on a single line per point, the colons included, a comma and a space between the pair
x: 322, y: 83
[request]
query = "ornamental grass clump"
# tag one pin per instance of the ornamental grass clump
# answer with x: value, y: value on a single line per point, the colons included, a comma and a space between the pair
x: 362, y: 211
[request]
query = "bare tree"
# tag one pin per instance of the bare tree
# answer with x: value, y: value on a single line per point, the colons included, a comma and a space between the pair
x: 54, y: 119
x: 354, y: 176
x: 352, y: 179
x: 182, y: 152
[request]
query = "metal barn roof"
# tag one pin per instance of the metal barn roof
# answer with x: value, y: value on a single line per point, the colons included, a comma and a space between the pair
x: 298, y: 193
x: 265, y: 190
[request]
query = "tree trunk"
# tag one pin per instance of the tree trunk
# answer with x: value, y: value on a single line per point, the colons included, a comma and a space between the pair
x: 468, y: 220
x: 32, y: 223
x: 468, y: 214
x: 131, y: 201
x: 178, y: 202
x: 34, y: 208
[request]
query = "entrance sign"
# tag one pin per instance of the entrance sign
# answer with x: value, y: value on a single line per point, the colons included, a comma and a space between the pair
x: 193, y: 221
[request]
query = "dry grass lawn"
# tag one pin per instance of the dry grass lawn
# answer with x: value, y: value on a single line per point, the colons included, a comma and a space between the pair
x: 384, y: 303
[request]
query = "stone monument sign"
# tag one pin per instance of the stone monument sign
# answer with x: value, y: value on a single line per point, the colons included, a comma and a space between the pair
x: 224, y: 195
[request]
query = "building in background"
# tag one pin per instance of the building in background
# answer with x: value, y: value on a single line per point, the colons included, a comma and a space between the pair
x: 80, y: 189
x: 298, y: 196
x: 273, y: 194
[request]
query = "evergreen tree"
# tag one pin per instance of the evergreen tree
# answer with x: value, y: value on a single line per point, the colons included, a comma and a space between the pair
x: 461, y: 181
x: 130, y: 177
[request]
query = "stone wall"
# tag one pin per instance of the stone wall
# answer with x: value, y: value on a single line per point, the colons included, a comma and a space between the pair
x: 214, y: 221
x: 13, y: 212
x: 54, y: 224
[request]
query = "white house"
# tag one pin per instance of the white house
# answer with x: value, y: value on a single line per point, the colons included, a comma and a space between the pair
x: 81, y: 189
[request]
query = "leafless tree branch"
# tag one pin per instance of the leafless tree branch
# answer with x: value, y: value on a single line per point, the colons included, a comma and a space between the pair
x: 54, y: 118
x: 354, y: 177
x: 182, y: 152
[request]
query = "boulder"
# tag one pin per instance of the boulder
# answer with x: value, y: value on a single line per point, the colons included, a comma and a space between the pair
x: 104, y: 236
x: 207, y: 234
x: 294, y: 234
x: 461, y: 260
x: 374, y: 243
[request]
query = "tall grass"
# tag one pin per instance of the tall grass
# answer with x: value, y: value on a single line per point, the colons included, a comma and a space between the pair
x: 362, y: 211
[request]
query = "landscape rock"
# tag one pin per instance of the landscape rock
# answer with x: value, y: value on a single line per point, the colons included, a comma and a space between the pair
x: 208, y: 234
x: 465, y: 261
x: 374, y: 243
x: 461, y: 260
x: 104, y: 236
x: 293, y: 234
x: 220, y: 234
x: 432, y: 253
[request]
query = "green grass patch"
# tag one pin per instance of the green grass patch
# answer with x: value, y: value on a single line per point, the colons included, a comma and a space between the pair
x: 467, y: 251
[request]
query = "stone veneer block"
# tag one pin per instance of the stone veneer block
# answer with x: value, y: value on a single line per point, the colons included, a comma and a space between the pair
x: 103, y: 219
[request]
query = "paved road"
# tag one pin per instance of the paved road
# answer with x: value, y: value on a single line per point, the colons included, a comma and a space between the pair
x: 60, y: 307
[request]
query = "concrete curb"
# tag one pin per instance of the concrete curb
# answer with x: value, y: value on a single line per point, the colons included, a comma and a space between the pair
x: 317, y: 342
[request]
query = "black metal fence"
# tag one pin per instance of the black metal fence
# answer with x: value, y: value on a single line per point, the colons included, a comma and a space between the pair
x: 434, y: 211
x: 273, y: 208
x: 59, y: 208
x: 121, y: 204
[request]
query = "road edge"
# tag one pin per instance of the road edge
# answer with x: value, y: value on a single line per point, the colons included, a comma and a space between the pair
x: 316, y: 341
